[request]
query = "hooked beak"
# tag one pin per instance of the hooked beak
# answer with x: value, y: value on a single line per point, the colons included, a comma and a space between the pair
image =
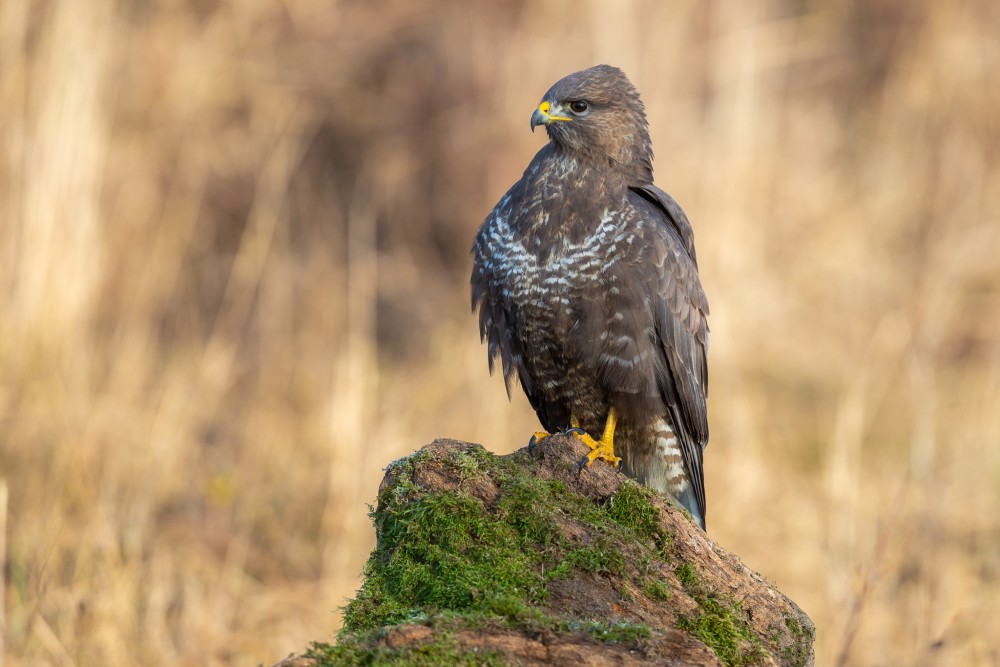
x: 537, y: 118
x: 546, y: 114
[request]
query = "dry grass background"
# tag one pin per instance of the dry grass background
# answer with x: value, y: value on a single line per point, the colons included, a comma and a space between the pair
x: 233, y: 275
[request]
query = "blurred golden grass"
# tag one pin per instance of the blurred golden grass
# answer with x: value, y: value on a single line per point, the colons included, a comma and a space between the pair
x: 233, y: 268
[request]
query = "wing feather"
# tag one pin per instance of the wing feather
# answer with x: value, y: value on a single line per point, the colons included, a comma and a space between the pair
x: 680, y: 313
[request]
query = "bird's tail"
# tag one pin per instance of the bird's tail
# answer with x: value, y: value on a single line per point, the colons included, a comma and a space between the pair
x: 663, y: 469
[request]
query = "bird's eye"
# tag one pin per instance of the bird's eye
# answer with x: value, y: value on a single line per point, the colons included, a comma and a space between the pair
x: 578, y: 106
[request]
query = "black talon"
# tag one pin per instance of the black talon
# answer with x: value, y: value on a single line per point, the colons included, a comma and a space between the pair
x: 574, y: 429
x: 532, y: 443
x: 582, y: 465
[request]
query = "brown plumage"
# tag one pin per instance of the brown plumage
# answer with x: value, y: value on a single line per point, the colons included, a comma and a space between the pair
x: 587, y: 287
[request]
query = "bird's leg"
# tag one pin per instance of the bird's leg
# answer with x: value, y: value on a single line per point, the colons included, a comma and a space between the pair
x: 599, y: 449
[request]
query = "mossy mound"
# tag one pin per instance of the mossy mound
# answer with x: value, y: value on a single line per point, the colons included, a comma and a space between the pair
x: 522, y: 559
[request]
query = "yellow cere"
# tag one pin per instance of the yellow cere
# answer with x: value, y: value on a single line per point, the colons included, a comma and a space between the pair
x: 545, y: 106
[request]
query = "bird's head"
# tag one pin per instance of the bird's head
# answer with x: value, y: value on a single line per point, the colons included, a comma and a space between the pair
x: 597, y: 114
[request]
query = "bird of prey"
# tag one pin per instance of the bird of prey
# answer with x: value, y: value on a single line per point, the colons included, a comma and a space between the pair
x: 587, y: 288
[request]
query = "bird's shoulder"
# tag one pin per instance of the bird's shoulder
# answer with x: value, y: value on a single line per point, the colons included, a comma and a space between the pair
x: 670, y: 223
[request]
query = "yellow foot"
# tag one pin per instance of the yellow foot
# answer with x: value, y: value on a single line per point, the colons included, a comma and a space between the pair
x: 599, y: 449
x: 536, y: 438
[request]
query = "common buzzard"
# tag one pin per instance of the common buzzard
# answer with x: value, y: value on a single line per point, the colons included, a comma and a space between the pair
x: 587, y: 287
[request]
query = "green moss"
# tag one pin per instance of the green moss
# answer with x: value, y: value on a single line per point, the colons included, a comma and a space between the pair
x: 363, y: 652
x: 445, y: 551
x: 720, y: 623
x: 632, y: 508
x: 687, y: 576
x: 467, y: 464
x: 800, y: 650
x: 611, y: 633
x: 601, y: 556
x: 447, y: 557
x: 657, y: 589
x: 364, y: 649
x: 525, y: 507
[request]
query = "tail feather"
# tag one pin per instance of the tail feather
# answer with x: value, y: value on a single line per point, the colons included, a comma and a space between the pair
x: 661, y: 467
